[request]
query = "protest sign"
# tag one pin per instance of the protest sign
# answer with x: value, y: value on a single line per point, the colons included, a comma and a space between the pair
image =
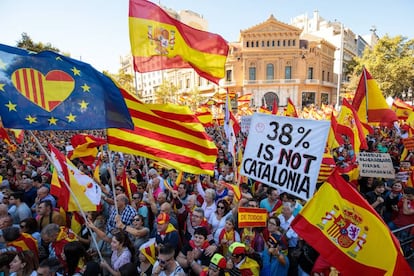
x: 245, y: 123
x: 252, y: 217
x: 285, y: 152
x: 373, y: 164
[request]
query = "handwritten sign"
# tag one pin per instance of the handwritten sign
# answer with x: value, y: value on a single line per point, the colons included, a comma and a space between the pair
x: 373, y: 164
x: 245, y: 123
x: 252, y: 217
x: 285, y: 152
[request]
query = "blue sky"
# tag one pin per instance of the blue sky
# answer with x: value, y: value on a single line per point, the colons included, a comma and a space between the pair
x: 96, y: 31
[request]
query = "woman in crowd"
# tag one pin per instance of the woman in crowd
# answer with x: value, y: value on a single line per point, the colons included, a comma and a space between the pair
x: 218, y: 218
x: 226, y: 236
x: 123, y: 252
x: 138, y: 232
x: 25, y: 263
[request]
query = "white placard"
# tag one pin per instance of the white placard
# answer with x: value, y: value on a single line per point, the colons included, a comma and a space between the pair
x: 245, y: 123
x: 374, y: 164
x: 285, y: 152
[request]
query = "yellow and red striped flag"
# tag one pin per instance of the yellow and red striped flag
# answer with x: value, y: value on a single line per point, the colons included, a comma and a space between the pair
x: 290, y: 109
x: 167, y: 133
x: 85, y: 147
x: 159, y: 42
x: 205, y: 116
x: 84, y: 188
x: 370, y: 103
x: 341, y: 225
x: 402, y: 109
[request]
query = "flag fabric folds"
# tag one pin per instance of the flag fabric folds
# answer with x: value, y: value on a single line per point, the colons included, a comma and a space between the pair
x: 350, y: 125
x: 402, y: 109
x: 159, y: 42
x: 168, y: 133
x: 231, y: 128
x: 290, y: 109
x: 369, y: 102
x: 84, y: 188
x: 85, y: 147
x: 340, y: 224
x: 48, y: 91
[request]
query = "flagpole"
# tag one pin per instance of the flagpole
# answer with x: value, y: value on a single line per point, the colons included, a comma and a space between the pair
x: 113, y: 181
x: 365, y: 90
x: 70, y: 191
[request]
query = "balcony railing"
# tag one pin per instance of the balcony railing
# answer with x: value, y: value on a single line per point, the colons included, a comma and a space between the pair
x: 311, y: 81
x: 275, y: 81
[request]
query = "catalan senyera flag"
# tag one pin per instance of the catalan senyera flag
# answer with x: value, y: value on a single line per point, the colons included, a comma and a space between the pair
x: 167, y: 133
x: 290, y: 109
x: 205, y: 116
x: 349, y: 119
x: 341, y: 225
x: 369, y: 102
x: 48, y: 91
x: 85, y: 147
x: 84, y: 188
x: 159, y: 42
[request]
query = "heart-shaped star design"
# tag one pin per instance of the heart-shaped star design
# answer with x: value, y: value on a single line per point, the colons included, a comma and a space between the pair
x: 47, y: 92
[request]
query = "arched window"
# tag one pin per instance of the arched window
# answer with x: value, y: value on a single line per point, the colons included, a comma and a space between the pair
x: 270, y: 71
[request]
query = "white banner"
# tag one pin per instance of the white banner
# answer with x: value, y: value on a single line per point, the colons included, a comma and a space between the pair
x: 285, y: 152
x: 374, y: 164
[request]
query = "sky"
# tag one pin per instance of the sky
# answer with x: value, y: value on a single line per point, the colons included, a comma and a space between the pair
x: 96, y: 31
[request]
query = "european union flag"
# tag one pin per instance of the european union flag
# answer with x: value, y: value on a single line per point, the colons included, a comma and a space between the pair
x: 48, y: 91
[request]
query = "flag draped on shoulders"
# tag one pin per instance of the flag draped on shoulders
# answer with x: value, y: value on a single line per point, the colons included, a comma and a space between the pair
x: 48, y: 91
x: 167, y: 133
x: 340, y: 224
x: 85, y: 189
x: 370, y: 103
x: 159, y: 42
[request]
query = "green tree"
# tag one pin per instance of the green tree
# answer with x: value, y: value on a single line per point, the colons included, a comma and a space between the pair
x: 26, y: 42
x: 166, y: 93
x: 390, y: 63
x: 193, y: 99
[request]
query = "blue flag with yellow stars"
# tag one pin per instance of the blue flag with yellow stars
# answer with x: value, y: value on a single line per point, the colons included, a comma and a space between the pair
x: 48, y: 91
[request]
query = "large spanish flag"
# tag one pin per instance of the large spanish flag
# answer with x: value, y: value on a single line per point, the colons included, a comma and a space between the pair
x: 340, y: 224
x: 159, y: 42
x: 168, y: 133
x: 370, y: 103
x: 402, y: 109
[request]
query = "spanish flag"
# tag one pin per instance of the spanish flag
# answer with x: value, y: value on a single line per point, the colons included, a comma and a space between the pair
x: 402, y: 109
x: 340, y: 224
x: 159, y: 42
x: 369, y: 102
x: 290, y: 109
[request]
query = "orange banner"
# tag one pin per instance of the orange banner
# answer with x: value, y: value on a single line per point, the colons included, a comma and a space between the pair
x: 252, y: 217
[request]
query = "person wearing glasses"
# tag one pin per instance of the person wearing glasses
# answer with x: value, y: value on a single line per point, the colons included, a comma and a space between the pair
x: 141, y: 207
x: 139, y: 234
x: 166, y: 265
x: 125, y: 211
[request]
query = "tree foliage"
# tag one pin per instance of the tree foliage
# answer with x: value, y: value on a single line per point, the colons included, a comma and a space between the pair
x: 166, y: 93
x: 391, y: 64
x: 27, y: 42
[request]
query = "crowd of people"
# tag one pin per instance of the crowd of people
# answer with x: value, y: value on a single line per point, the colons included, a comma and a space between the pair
x: 165, y: 227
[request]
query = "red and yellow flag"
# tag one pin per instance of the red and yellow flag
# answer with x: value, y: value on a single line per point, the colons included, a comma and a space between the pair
x: 159, y: 42
x: 334, y: 137
x: 340, y: 224
x: 84, y: 188
x: 85, y: 147
x: 290, y: 109
x: 349, y: 119
x: 205, y: 116
x: 167, y: 133
x: 25, y: 242
x: 402, y: 109
x: 369, y: 102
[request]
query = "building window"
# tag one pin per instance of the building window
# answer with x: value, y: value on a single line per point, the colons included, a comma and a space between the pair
x: 278, y: 43
x: 228, y: 75
x: 289, y: 42
x: 268, y: 43
x: 310, y: 73
x: 308, y: 98
x: 252, y: 73
x: 270, y: 71
x: 247, y: 44
x: 187, y: 83
x: 199, y: 81
x: 328, y: 77
x: 252, y: 44
x: 294, y: 43
x: 324, y: 98
x: 263, y: 43
x: 273, y: 43
x: 288, y: 72
x: 257, y: 43
x: 284, y: 43
x: 323, y: 75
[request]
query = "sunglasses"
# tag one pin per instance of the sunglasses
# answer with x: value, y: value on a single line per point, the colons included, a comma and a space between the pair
x: 162, y: 262
x: 6, y: 197
x: 118, y: 189
x: 220, y: 207
x: 135, y: 197
x: 251, y: 205
x: 137, y: 219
